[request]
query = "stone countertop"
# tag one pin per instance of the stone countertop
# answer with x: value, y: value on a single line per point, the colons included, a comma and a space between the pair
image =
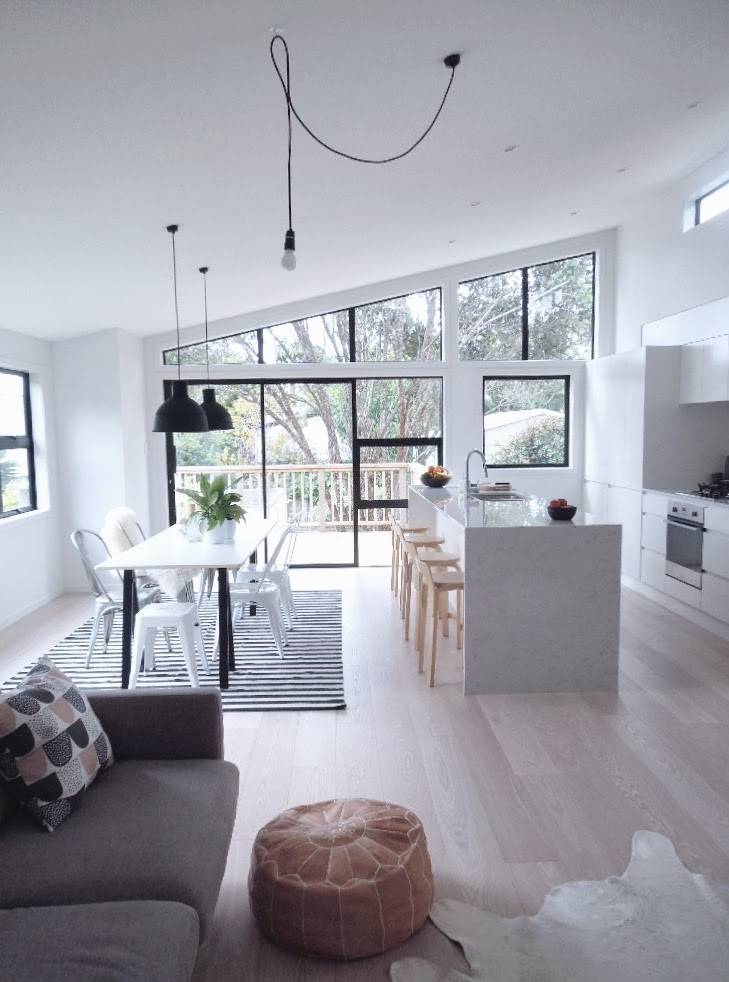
x: 477, y: 513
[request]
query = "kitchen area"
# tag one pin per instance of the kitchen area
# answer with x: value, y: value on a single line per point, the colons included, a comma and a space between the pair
x: 657, y: 439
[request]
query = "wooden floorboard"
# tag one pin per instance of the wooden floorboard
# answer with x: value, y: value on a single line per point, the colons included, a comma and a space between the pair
x: 517, y: 793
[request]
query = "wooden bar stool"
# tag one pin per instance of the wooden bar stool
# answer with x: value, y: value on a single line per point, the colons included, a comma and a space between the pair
x: 397, y: 530
x: 434, y: 559
x: 439, y: 583
x: 412, y: 543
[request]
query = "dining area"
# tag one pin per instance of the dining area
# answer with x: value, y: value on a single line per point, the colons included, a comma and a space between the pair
x: 177, y: 609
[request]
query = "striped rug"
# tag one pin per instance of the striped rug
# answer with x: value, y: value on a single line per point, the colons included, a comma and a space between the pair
x: 309, y: 677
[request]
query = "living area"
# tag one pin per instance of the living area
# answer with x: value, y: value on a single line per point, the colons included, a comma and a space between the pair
x: 359, y: 614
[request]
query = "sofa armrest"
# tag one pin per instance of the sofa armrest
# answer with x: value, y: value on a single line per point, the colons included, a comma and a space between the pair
x: 161, y: 724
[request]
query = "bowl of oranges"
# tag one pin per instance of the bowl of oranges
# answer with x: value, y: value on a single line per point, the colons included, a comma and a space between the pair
x: 436, y: 476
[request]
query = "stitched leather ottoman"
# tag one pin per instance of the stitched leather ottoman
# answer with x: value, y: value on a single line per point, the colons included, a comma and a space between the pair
x: 341, y: 879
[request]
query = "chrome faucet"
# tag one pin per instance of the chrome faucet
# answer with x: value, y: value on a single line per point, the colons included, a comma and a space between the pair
x: 466, y: 483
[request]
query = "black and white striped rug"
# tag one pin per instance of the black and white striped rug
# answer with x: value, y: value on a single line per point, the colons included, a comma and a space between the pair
x: 310, y: 676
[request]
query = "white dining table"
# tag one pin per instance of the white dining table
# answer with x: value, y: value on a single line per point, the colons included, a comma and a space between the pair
x: 171, y: 550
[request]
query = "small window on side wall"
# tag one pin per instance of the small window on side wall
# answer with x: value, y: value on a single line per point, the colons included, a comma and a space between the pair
x: 17, y: 466
x: 526, y: 420
x: 712, y: 203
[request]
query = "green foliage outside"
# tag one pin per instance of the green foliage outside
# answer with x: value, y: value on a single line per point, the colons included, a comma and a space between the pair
x: 541, y: 443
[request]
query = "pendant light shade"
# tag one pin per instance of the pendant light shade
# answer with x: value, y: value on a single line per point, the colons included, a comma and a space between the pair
x: 179, y: 413
x: 218, y: 416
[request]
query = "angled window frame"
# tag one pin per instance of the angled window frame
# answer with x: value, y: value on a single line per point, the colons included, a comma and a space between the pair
x: 524, y: 273
x: 526, y: 377
x: 21, y: 442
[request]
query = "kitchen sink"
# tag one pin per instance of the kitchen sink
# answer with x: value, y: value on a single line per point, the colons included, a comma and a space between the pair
x: 498, y: 496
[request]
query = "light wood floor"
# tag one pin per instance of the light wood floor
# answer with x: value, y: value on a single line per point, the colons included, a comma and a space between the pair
x: 517, y: 793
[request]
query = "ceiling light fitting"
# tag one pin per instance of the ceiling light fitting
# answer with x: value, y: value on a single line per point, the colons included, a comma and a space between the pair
x: 178, y: 413
x: 288, y: 260
x: 218, y: 416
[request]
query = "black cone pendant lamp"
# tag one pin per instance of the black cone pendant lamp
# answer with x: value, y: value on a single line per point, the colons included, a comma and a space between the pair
x: 179, y: 413
x: 218, y: 416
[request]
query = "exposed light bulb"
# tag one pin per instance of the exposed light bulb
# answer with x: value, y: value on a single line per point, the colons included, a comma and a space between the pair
x: 288, y: 260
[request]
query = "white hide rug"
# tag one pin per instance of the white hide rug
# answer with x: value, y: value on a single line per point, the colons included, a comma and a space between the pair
x: 656, y: 923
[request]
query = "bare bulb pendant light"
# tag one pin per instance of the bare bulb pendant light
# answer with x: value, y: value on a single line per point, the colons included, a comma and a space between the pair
x: 218, y: 416
x: 179, y: 413
x: 288, y: 260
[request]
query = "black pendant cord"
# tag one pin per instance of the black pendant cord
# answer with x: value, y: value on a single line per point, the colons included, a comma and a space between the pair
x: 172, y: 229
x: 204, y: 271
x: 451, y: 62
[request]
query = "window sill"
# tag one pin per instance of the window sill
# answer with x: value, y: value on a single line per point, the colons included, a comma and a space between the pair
x: 24, y: 516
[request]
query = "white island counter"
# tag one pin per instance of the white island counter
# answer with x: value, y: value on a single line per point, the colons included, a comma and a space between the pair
x: 541, y: 598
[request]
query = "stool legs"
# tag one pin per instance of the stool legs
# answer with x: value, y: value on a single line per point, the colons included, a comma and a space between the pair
x: 459, y: 619
x: 187, y: 640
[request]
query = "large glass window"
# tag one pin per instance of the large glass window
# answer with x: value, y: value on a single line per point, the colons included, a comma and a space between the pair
x: 712, y: 204
x: 536, y: 312
x: 403, y: 329
x: 526, y: 421
x: 395, y: 408
x: 17, y: 470
x: 407, y: 328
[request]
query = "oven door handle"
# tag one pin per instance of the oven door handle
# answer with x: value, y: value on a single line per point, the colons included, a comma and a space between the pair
x: 681, y: 523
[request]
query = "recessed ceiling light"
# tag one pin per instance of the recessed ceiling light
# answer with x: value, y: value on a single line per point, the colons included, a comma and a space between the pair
x: 451, y: 241
x: 693, y: 105
x: 621, y: 170
x: 575, y: 212
x: 475, y: 204
x: 512, y: 146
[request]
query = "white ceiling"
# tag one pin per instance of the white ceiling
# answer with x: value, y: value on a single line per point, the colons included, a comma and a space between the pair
x: 120, y: 116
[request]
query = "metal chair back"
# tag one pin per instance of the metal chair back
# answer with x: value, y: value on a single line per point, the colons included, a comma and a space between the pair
x: 93, y: 550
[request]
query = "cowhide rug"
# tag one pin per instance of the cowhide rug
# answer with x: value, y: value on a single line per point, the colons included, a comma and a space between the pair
x: 656, y: 923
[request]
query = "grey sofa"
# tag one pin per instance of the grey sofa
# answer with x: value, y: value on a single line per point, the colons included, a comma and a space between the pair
x: 126, y: 888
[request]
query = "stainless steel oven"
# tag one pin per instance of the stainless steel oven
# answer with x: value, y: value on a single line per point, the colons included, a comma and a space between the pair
x: 685, y: 542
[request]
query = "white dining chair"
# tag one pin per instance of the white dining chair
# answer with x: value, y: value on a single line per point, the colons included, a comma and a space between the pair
x: 106, y: 586
x: 277, y: 571
x: 182, y: 617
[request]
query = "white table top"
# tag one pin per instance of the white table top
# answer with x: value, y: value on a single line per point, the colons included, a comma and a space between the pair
x: 171, y: 550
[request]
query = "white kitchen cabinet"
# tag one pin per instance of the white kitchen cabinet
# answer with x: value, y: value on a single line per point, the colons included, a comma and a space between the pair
x: 705, y: 371
x: 716, y: 553
x: 716, y: 518
x: 655, y: 504
x: 715, y: 597
x: 595, y: 500
x: 653, y: 535
x: 624, y: 508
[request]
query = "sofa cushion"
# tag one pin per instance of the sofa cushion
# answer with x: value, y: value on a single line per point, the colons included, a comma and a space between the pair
x: 148, y: 830
x: 142, y: 941
x: 52, y: 744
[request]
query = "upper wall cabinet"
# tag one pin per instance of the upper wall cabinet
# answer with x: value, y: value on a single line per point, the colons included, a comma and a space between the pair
x: 705, y: 371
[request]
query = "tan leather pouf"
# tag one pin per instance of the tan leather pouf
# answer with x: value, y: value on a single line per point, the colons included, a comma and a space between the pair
x: 341, y: 879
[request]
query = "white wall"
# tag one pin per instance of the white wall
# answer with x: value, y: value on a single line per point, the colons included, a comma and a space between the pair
x: 663, y: 269
x: 101, y: 440
x: 462, y: 381
x: 30, y: 566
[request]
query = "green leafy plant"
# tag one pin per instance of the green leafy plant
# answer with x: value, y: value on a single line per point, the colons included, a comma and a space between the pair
x: 214, y: 502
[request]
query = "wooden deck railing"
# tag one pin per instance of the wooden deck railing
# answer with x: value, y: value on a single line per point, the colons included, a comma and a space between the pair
x: 320, y: 495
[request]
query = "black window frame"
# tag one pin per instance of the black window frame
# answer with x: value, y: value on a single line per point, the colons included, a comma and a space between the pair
x: 703, y: 197
x: 524, y: 377
x: 524, y: 273
x: 351, y: 314
x: 25, y: 442
x: 358, y: 503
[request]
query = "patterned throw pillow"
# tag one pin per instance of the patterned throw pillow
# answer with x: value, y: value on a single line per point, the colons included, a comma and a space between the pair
x: 52, y: 744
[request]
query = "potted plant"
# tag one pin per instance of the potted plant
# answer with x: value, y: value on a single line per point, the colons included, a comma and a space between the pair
x: 218, y: 508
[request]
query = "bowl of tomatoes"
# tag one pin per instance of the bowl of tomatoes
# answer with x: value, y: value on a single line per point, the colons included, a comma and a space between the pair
x: 436, y: 477
x: 561, y: 510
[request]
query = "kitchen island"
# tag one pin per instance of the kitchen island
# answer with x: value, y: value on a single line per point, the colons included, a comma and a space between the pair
x: 541, y: 597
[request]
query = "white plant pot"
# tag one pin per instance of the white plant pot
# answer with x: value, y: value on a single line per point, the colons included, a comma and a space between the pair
x: 230, y: 526
x: 215, y: 536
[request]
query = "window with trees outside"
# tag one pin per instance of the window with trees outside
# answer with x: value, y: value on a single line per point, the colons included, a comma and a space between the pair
x: 546, y: 311
x: 401, y: 329
x: 17, y: 468
x: 526, y: 420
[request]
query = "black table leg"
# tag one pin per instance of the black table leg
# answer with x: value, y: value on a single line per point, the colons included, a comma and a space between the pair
x: 231, y: 642
x: 127, y: 622
x: 224, y: 631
